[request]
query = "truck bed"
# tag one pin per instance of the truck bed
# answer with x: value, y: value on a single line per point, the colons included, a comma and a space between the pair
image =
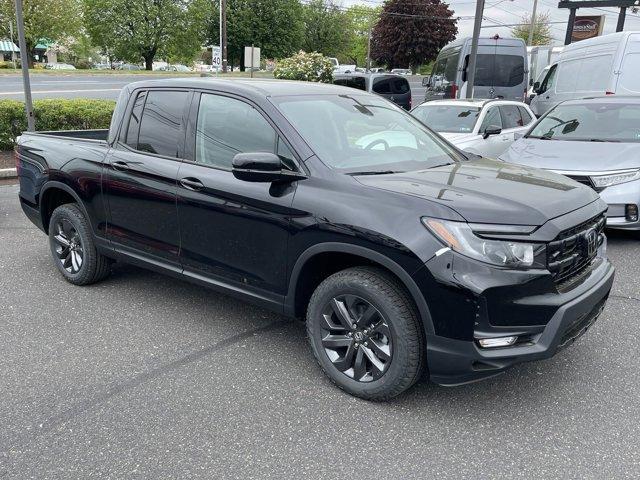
x: 96, y: 135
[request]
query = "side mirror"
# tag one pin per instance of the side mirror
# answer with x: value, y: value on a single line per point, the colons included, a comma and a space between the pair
x: 261, y: 167
x: 491, y: 130
x: 531, y: 82
x: 536, y: 87
x: 426, y: 81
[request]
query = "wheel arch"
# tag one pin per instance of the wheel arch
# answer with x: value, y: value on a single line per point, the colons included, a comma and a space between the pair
x: 57, y: 190
x: 292, y: 305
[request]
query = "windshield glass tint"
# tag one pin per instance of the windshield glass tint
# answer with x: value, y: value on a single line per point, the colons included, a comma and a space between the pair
x: 614, y: 122
x: 356, y: 133
x: 448, y: 118
x: 499, y: 70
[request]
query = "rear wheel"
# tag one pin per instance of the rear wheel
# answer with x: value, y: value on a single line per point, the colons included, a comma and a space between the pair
x: 72, y: 247
x: 365, y: 333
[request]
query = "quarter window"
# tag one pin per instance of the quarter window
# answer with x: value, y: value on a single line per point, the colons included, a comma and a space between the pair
x: 511, y: 117
x: 226, y: 127
x: 161, y: 124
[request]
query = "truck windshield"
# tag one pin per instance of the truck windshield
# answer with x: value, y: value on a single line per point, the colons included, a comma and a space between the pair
x: 447, y: 118
x: 363, y: 133
x: 605, y: 122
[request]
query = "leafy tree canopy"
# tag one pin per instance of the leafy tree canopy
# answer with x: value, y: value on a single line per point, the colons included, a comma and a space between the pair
x: 541, y: 30
x: 412, y: 32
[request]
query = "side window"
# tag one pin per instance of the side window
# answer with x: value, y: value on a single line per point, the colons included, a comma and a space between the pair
x: 227, y: 126
x: 549, y: 80
x: 131, y: 136
x: 382, y: 85
x: 526, y: 116
x: 511, y: 117
x: 353, y: 82
x: 161, y: 124
x: 491, y: 118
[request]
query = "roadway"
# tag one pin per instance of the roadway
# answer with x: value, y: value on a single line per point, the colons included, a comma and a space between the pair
x: 144, y: 376
x: 105, y: 86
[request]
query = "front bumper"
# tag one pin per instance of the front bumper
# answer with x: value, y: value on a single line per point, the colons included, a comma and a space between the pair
x: 453, y: 361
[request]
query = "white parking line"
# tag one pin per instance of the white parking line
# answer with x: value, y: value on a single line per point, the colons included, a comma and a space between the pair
x: 35, y: 92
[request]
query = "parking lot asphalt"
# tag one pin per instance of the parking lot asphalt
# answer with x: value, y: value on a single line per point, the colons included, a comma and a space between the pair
x: 144, y: 376
x: 106, y: 86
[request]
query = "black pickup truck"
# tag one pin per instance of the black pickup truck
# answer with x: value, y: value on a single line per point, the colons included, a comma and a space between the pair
x: 322, y: 202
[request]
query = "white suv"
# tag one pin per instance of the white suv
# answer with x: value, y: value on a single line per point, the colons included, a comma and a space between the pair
x: 483, y: 127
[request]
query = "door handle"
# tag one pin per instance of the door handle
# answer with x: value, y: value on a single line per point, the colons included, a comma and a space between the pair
x: 118, y: 165
x: 191, y: 183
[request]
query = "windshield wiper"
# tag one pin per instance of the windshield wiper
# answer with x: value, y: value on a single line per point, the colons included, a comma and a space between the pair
x: 375, y: 172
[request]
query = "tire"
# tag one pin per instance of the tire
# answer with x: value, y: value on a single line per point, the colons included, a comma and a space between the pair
x: 70, y: 239
x: 372, y: 298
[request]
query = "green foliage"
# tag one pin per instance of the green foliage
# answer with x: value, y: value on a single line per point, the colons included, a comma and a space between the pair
x: 310, y: 67
x: 53, y: 114
x: 360, y: 18
x: 414, y: 34
x: 134, y: 29
x: 326, y: 28
x: 43, y: 19
x: 541, y: 31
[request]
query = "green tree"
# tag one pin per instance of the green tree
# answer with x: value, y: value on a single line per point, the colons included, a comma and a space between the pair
x: 135, y: 29
x: 326, y: 28
x: 43, y: 20
x: 541, y: 29
x: 360, y: 18
x: 412, y: 32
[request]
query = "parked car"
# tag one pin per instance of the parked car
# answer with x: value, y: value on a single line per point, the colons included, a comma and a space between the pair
x: 59, y: 66
x: 602, y: 65
x: 595, y: 142
x: 390, y: 86
x: 483, y: 127
x: 128, y: 66
x: 401, y: 71
x: 501, y: 70
x: 175, y: 68
x: 408, y: 259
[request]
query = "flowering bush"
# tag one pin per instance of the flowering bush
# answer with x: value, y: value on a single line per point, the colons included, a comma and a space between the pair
x: 310, y: 67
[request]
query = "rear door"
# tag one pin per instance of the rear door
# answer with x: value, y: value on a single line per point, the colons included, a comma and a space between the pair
x: 141, y: 172
x: 233, y: 231
x: 495, y: 144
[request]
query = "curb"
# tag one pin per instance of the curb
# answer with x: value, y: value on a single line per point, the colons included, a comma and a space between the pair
x: 8, y: 173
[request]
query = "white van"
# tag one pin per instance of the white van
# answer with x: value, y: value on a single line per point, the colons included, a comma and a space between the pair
x: 603, y: 65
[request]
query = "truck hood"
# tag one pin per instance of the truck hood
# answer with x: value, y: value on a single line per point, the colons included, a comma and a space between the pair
x: 573, y: 156
x: 490, y: 191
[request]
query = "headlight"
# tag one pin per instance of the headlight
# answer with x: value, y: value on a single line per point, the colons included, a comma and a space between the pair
x: 505, y: 253
x: 602, y: 181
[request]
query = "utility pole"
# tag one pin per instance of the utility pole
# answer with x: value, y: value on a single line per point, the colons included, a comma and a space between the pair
x: 533, y: 23
x: 24, y: 63
x: 223, y: 34
x: 369, y: 49
x: 471, y: 68
x: 13, y: 53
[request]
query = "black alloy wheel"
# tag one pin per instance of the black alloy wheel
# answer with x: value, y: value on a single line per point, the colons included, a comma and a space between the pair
x: 356, y: 338
x: 68, y: 246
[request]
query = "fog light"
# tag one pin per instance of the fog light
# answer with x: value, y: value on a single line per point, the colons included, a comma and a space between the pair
x: 497, y: 342
x: 631, y: 212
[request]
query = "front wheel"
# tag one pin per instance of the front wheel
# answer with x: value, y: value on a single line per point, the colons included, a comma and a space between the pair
x: 72, y: 247
x: 365, y: 333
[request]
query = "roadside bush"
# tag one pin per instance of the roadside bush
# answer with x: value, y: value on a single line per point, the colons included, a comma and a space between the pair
x: 310, y: 67
x: 53, y: 114
x: 82, y: 64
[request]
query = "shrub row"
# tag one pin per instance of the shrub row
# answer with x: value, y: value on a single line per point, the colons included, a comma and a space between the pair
x: 53, y: 114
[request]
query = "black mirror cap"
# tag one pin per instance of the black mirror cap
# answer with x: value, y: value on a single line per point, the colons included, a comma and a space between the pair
x: 261, y: 167
x: 536, y: 87
x: 491, y: 130
x: 426, y: 81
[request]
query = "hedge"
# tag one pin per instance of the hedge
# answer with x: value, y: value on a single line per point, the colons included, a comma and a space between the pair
x: 53, y: 114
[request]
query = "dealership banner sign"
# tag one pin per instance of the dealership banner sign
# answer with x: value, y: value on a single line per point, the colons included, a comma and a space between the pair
x: 587, y: 27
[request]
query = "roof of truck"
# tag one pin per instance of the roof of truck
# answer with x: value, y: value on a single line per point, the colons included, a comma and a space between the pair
x: 257, y: 86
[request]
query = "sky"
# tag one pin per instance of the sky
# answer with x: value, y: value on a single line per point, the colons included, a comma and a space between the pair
x: 511, y: 11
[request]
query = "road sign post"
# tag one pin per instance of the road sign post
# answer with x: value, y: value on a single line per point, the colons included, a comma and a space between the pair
x: 24, y: 63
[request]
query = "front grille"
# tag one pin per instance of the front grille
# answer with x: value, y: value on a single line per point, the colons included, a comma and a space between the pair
x: 581, y: 324
x: 585, y: 180
x: 571, y: 253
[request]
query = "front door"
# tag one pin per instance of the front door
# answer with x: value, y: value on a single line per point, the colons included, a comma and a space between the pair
x: 493, y: 145
x: 233, y: 231
x: 140, y: 177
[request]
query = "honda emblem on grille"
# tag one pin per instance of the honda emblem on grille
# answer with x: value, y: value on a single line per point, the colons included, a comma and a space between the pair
x: 591, y: 240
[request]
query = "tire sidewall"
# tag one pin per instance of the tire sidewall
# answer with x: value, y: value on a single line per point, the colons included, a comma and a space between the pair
x: 397, y: 327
